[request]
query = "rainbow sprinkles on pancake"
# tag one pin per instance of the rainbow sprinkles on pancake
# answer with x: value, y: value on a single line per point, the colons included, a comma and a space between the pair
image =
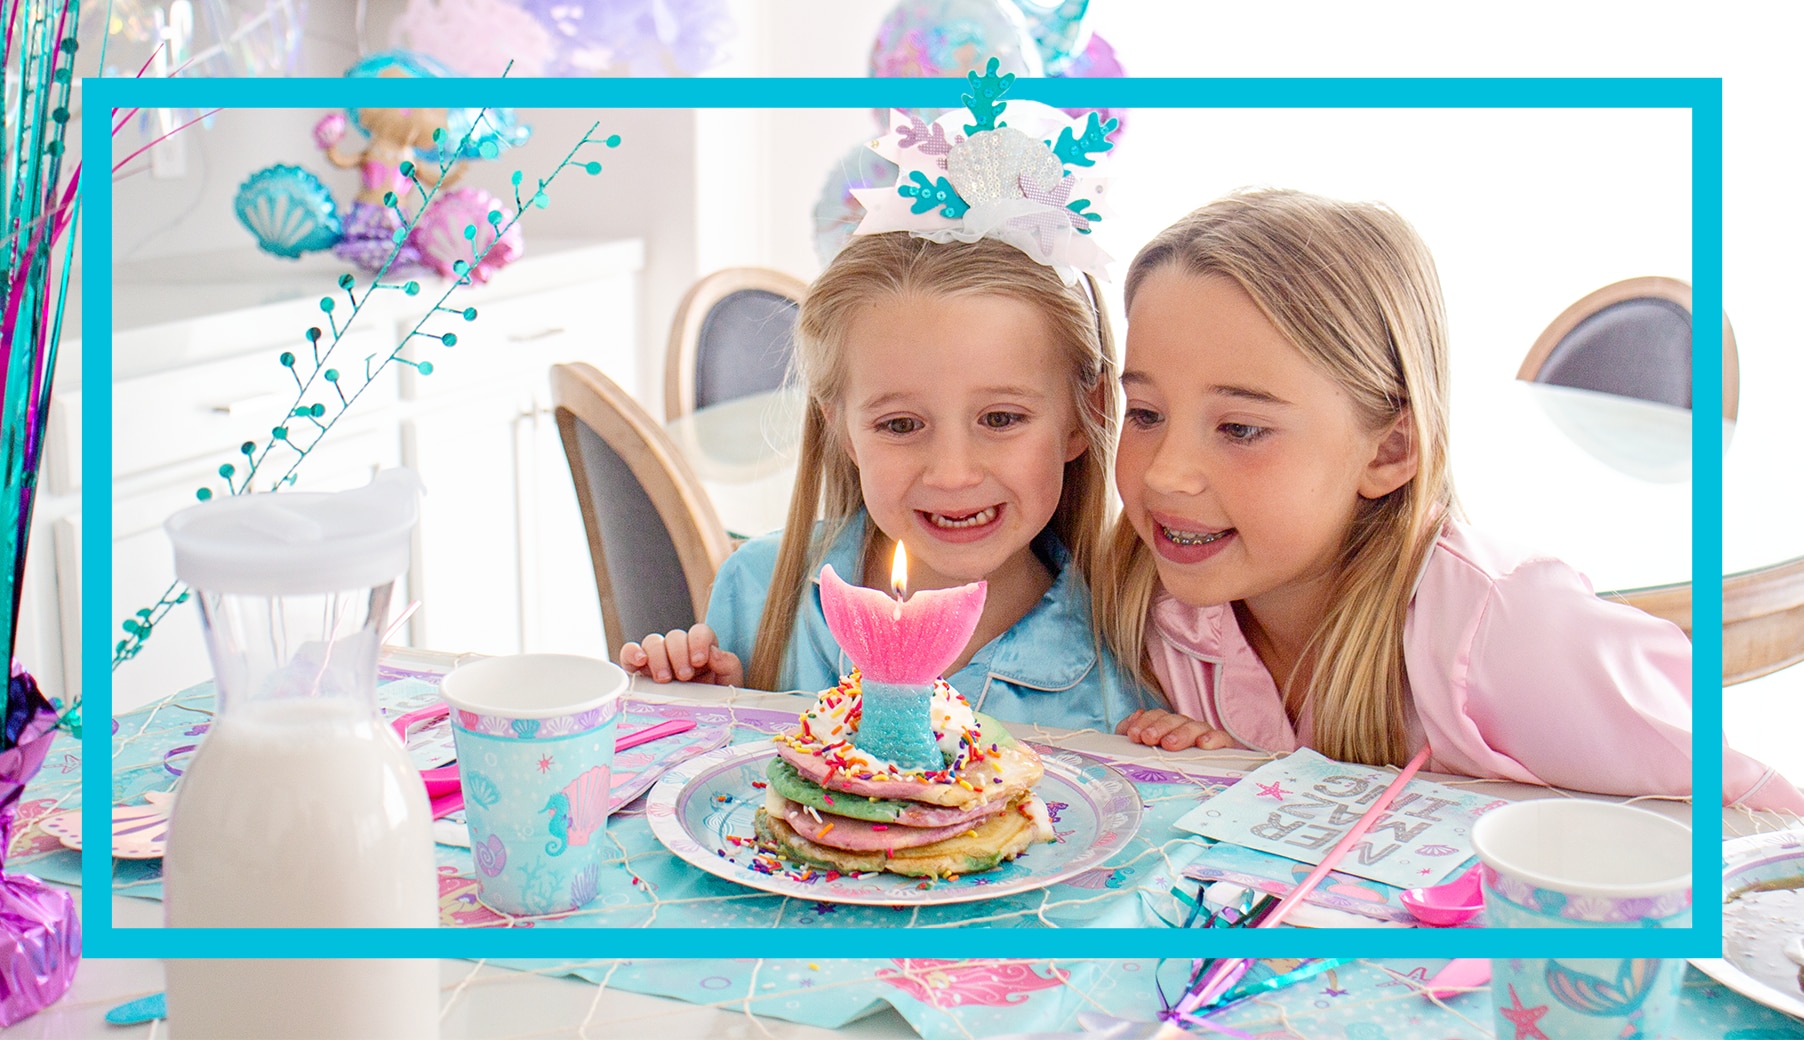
x: 891, y: 770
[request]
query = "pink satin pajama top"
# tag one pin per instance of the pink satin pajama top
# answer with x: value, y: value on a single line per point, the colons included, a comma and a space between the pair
x: 1516, y: 670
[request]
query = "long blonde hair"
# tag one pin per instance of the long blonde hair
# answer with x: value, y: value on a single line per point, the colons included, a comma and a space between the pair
x: 893, y: 266
x: 1353, y: 287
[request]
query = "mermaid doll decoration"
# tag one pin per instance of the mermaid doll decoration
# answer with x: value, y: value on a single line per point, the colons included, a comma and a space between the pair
x: 404, y: 155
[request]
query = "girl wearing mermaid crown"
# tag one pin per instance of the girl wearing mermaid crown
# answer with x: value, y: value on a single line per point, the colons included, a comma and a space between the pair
x: 960, y: 381
x: 1290, y: 567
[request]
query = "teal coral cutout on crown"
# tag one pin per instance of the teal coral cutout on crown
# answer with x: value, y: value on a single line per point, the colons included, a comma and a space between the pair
x: 928, y: 195
x: 1076, y: 151
x: 1034, y: 182
x: 984, y: 101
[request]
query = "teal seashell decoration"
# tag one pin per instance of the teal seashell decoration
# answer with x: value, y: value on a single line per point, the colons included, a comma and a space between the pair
x: 481, y: 790
x: 288, y: 210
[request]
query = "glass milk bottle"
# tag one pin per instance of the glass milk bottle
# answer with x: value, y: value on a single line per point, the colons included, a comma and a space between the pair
x: 300, y: 808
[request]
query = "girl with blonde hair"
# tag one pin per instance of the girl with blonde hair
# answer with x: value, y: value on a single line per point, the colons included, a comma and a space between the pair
x: 1290, y: 568
x: 960, y: 381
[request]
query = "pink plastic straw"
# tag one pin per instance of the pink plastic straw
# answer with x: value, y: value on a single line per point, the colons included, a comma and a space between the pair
x: 1230, y: 970
x: 1356, y: 832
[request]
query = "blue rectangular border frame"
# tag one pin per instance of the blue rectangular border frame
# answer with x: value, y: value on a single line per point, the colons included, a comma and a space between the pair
x: 1702, y: 97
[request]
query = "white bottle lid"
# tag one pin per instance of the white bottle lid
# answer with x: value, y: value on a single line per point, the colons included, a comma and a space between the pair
x: 299, y: 543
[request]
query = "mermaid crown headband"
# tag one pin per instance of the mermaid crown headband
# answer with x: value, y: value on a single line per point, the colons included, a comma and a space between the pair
x: 1031, y: 181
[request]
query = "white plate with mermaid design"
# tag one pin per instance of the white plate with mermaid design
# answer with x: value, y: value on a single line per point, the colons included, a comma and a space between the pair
x: 699, y: 806
x: 1770, y: 869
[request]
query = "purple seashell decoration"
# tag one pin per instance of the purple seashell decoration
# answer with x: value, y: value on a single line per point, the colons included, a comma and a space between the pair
x: 584, y: 886
x: 369, y: 240
x: 491, y: 855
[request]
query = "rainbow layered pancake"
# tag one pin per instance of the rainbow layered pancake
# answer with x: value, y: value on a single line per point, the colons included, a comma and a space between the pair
x: 831, y: 804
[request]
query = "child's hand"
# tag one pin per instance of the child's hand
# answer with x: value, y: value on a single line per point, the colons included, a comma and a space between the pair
x: 691, y: 656
x: 1171, y: 731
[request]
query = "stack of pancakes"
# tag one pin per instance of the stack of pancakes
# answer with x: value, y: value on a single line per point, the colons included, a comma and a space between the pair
x: 830, y: 804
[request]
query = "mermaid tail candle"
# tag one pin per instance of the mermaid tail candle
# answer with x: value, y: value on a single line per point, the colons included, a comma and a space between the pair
x: 896, y: 726
x: 900, y: 645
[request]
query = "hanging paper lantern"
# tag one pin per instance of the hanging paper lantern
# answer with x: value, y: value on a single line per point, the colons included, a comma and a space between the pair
x: 1058, y: 30
x: 288, y: 210
x: 476, y: 37
x: 951, y: 38
x: 634, y: 37
x: 837, y: 212
x: 459, y: 225
x: 1098, y: 62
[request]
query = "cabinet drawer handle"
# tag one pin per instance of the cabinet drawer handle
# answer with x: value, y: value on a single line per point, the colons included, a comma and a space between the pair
x: 258, y: 403
x: 530, y: 336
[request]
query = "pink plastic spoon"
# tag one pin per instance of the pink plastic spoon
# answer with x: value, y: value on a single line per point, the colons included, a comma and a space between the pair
x: 443, y: 780
x: 445, y: 790
x: 1445, y: 905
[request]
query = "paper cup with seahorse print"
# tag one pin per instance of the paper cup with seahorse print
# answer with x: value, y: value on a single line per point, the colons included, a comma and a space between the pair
x: 535, y: 749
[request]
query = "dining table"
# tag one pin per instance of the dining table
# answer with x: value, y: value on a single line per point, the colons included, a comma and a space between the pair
x: 1599, y: 480
x: 1146, y: 883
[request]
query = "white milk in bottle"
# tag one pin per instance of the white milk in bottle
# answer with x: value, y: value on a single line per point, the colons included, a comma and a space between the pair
x: 299, y: 809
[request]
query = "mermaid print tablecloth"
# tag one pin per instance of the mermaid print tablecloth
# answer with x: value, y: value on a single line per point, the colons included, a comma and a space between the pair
x: 1143, y: 886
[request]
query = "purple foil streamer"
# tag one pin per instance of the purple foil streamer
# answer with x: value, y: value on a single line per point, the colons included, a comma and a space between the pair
x: 40, y: 946
x: 40, y: 936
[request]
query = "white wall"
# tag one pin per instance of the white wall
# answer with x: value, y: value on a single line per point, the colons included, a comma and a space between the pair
x: 1526, y: 211
x: 747, y: 195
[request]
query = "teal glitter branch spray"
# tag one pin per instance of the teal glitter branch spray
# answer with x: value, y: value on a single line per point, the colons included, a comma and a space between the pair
x: 40, y: 937
x: 327, y: 384
x: 40, y: 46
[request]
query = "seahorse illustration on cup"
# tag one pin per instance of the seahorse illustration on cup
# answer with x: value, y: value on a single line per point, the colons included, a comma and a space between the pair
x: 578, y: 810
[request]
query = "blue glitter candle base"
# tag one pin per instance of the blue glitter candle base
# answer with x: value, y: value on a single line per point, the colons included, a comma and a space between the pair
x: 897, y: 724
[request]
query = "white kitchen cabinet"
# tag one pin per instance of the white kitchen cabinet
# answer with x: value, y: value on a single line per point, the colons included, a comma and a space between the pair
x: 195, y: 341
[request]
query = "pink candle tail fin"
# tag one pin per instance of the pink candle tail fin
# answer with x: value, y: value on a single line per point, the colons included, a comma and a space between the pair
x: 914, y: 645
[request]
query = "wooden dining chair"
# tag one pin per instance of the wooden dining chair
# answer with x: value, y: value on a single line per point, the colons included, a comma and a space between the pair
x: 1763, y: 620
x: 1763, y: 617
x: 732, y: 336
x: 654, y: 538
x: 1631, y: 338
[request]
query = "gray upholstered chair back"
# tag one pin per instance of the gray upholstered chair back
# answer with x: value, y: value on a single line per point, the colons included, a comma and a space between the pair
x: 733, y: 336
x: 654, y: 540
x: 1631, y: 338
x: 1636, y: 348
x: 745, y: 346
x: 641, y: 559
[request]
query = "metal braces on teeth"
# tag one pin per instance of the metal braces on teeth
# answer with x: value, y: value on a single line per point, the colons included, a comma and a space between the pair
x: 1185, y: 538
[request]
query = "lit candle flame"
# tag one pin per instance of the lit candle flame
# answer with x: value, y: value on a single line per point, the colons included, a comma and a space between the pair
x: 898, y: 578
x: 898, y: 572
